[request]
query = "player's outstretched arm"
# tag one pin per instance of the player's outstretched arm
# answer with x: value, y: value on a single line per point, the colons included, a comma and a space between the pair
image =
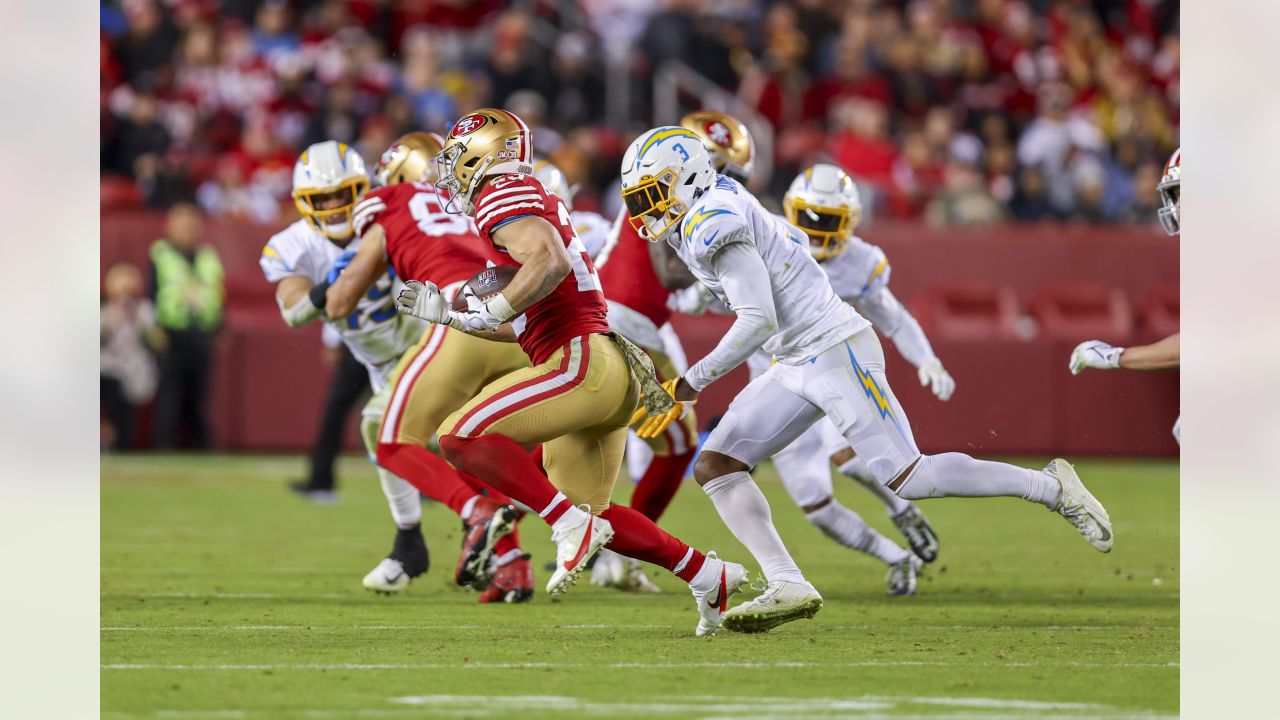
x: 293, y: 297
x: 1162, y: 355
x: 746, y: 284
x: 361, y: 273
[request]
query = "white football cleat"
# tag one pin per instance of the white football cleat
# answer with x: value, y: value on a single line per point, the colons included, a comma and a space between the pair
x: 1080, y: 507
x: 612, y: 570
x: 574, y: 547
x: 387, y: 578
x: 609, y: 570
x: 781, y: 602
x: 636, y: 581
x: 902, y: 576
x: 713, y: 603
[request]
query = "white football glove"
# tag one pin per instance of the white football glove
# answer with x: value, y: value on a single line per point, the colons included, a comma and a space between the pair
x: 1094, y: 354
x: 423, y: 301
x: 938, y: 379
x: 482, y: 316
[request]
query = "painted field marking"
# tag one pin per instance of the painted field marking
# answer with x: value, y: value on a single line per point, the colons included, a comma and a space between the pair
x: 619, y: 665
x: 620, y: 626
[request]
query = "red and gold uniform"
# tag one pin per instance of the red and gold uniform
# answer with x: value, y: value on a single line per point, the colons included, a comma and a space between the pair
x: 578, y: 397
x: 446, y: 367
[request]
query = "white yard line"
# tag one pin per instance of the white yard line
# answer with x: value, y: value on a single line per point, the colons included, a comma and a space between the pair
x: 619, y: 665
x: 620, y: 626
x: 703, y: 705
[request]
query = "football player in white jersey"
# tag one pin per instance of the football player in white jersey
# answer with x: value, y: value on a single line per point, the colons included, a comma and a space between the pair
x: 829, y: 363
x: 1161, y: 355
x: 302, y: 260
x: 823, y: 202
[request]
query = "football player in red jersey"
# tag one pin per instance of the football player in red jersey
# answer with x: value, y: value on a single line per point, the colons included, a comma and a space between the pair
x: 402, y: 225
x: 578, y: 398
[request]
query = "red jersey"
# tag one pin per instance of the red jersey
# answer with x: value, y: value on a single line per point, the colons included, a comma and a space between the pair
x: 628, y: 275
x: 422, y: 241
x: 576, y: 306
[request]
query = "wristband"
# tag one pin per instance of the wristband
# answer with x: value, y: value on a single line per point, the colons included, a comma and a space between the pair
x: 500, y: 308
x: 317, y: 294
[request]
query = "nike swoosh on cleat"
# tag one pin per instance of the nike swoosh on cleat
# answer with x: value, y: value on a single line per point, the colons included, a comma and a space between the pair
x: 582, y: 549
x: 723, y: 600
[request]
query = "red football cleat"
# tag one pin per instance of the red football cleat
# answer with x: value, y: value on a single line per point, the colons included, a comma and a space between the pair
x: 489, y: 521
x: 512, y: 583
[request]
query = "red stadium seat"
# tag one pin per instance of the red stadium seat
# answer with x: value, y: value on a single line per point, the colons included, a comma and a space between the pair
x: 117, y: 192
x: 1081, y: 312
x: 968, y: 312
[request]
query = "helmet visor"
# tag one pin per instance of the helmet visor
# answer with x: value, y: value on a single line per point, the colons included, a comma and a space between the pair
x: 651, y: 206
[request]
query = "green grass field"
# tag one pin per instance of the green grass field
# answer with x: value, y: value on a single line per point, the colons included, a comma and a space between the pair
x: 224, y: 596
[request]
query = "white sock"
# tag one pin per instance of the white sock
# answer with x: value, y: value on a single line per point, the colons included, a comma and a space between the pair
x: 745, y: 511
x: 958, y: 475
x: 860, y: 473
x: 403, y: 498
x: 573, y: 517
x: 708, y: 576
x: 848, y: 528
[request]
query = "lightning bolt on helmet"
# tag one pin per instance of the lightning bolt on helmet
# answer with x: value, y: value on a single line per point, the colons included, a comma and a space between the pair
x: 411, y: 158
x: 823, y: 201
x: 489, y: 141
x: 664, y: 172
x: 554, y: 180
x: 728, y: 141
x: 1170, y: 190
x: 329, y: 178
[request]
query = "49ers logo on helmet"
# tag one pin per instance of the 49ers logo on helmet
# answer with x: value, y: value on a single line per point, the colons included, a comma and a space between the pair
x: 468, y: 125
x: 718, y: 133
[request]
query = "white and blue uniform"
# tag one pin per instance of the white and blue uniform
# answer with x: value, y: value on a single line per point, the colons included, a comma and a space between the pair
x: 859, y: 276
x: 829, y: 360
x: 375, y: 333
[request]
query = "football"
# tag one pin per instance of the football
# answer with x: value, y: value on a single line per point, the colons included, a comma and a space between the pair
x: 485, y: 284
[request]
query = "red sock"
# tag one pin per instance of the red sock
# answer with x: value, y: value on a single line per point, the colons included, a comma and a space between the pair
x: 659, y: 484
x: 478, y: 485
x: 636, y: 536
x: 505, y: 466
x: 427, y: 472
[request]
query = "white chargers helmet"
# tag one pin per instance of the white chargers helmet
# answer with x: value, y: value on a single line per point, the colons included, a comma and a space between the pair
x: 823, y: 201
x: 1170, y: 191
x: 555, y: 182
x: 664, y: 172
x: 329, y: 178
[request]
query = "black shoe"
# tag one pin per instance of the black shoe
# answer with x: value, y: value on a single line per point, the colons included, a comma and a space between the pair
x: 317, y: 495
x: 918, y: 532
x: 410, y: 548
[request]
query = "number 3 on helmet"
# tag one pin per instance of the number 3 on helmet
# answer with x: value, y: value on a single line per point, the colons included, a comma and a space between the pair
x: 663, y: 173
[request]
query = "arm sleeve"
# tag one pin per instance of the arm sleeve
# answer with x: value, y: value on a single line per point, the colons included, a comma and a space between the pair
x: 893, y: 319
x: 746, y: 284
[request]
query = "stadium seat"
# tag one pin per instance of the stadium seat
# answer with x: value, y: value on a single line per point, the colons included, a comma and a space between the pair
x: 1158, y: 312
x: 1082, y: 311
x: 968, y: 312
x: 117, y: 192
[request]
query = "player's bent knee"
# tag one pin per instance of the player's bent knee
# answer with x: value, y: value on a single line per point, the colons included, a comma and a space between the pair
x: 815, y: 507
x: 711, y: 465
x: 901, y: 478
x: 840, y: 457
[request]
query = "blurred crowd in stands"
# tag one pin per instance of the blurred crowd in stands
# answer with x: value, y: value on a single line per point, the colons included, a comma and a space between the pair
x: 950, y: 111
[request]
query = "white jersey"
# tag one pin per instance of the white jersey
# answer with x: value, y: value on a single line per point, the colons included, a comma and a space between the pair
x: 592, y: 229
x: 375, y: 333
x: 811, y: 317
x: 855, y: 274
